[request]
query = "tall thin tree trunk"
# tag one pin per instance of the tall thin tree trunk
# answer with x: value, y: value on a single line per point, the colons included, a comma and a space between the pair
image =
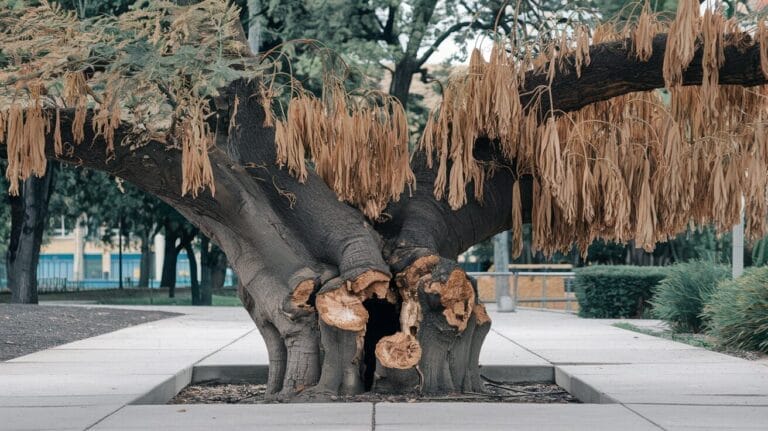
x: 206, y: 273
x: 401, y: 80
x: 194, y: 283
x: 145, y: 264
x: 219, y: 268
x: 120, y: 255
x: 168, y: 278
x: 213, y: 264
x: 29, y: 217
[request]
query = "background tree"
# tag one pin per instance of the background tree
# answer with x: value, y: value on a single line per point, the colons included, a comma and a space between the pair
x: 108, y: 202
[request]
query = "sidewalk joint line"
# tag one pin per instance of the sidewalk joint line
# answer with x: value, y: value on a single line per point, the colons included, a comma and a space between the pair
x: 224, y: 347
x: 89, y: 427
x: 521, y: 346
x: 637, y: 413
x: 373, y: 417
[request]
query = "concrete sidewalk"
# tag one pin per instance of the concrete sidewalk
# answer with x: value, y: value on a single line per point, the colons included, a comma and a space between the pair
x: 629, y: 380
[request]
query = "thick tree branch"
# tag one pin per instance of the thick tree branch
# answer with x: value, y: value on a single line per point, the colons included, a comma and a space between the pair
x: 615, y: 71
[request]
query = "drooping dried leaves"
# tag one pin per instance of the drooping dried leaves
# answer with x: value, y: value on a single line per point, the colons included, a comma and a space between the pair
x: 153, y: 69
x: 641, y: 167
x: 359, y: 145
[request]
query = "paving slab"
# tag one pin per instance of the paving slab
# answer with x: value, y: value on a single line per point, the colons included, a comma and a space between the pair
x: 113, y: 356
x: 77, y: 384
x: 89, y: 366
x: 332, y: 417
x: 694, y: 418
x: 52, y: 418
x: 65, y: 400
x: 249, y: 349
x: 649, y: 380
x: 505, y: 417
x: 735, y: 383
x: 603, y: 354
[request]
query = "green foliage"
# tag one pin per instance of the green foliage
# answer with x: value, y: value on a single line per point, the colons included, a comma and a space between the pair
x: 155, y: 60
x: 760, y: 252
x: 158, y: 299
x: 680, y: 297
x: 91, y: 8
x: 695, y: 340
x: 107, y: 201
x: 616, y: 291
x: 737, y: 313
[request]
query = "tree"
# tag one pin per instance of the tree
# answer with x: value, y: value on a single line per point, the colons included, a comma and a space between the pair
x: 353, y: 255
x: 109, y: 202
x: 398, y: 38
x: 214, y: 270
x: 29, y: 218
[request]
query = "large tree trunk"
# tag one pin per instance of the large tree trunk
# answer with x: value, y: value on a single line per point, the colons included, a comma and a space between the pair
x: 335, y: 298
x: 29, y: 218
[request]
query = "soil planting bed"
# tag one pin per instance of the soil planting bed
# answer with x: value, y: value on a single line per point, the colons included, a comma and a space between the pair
x: 498, y: 392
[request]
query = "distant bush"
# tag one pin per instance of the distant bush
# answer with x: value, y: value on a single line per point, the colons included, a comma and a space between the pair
x: 679, y: 298
x: 616, y: 291
x: 736, y: 314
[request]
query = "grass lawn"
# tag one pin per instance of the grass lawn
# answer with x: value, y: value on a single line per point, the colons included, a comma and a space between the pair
x: 218, y: 300
x: 696, y: 340
x: 227, y: 297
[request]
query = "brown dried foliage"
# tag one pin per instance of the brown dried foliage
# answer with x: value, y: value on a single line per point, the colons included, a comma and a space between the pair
x: 359, y: 146
x: 635, y: 168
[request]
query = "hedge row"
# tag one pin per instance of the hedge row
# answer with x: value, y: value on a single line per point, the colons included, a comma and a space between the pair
x: 616, y: 291
x: 689, y: 296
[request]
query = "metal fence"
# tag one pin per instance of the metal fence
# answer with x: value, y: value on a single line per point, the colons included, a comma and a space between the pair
x: 544, y: 297
x: 62, y: 284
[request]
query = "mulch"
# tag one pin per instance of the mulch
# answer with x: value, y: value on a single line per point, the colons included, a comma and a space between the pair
x: 27, y: 329
x: 497, y: 392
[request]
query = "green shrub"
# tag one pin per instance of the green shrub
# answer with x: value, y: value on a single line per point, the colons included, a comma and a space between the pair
x: 737, y: 312
x: 680, y: 297
x: 615, y: 291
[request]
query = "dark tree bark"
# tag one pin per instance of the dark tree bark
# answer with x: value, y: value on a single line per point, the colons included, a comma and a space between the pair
x: 145, y: 264
x: 214, y: 267
x: 187, y: 237
x: 170, y: 255
x: 218, y: 269
x: 402, y: 77
x: 321, y: 283
x: 194, y: 284
x: 29, y: 218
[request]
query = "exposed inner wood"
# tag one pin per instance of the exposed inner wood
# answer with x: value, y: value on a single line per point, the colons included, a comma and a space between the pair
x: 341, y: 309
x: 372, y: 284
x: 408, y: 287
x: 400, y: 351
x: 419, y: 268
x: 456, y: 296
x: 301, y: 294
x: 481, y: 314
